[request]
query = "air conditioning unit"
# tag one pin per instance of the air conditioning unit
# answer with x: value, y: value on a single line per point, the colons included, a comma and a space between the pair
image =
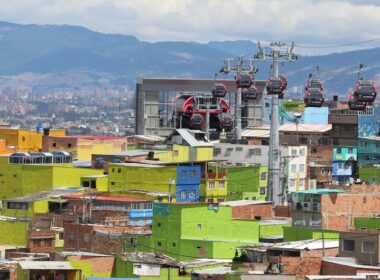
x: 306, y: 206
x: 316, y: 207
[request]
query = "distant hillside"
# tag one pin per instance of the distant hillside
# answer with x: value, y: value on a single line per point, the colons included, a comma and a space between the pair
x: 61, y: 49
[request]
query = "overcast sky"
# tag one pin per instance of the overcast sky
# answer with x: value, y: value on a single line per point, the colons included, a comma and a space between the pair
x: 307, y: 22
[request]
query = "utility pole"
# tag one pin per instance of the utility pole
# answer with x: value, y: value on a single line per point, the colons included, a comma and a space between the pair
x: 208, y: 118
x: 275, y: 52
x: 240, y: 65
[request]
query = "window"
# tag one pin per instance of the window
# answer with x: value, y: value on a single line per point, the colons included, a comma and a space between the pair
x: 211, y: 185
x: 348, y: 245
x: 302, y: 167
x: 69, y: 145
x: 267, y: 105
x: 293, y: 168
x: 338, y: 150
x: 71, y: 235
x: 262, y: 190
x: 313, y: 150
x: 183, y: 195
x: 239, y: 149
x: 340, y: 165
x: 246, y: 198
x: 292, y: 183
x: 93, y: 184
x: 86, y: 237
x: 263, y: 176
x: 183, y: 173
x: 257, y: 152
x: 60, y: 236
x: 301, y: 183
x: 221, y: 184
x: 159, y: 243
x: 302, y: 152
x: 54, y: 145
x: 113, y: 170
x: 119, y: 170
x: 174, y: 244
x: 158, y: 224
x: 37, y: 243
x: 175, y: 153
x: 86, y: 184
x: 193, y: 173
x: 217, y: 151
x: 192, y: 194
x: 253, y: 197
x: 47, y: 242
x: 367, y: 246
x: 294, y: 152
x: 18, y: 205
x: 350, y: 150
x: 199, y: 226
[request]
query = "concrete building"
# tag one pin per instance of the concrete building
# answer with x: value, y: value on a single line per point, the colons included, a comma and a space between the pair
x: 82, y: 147
x: 369, y: 151
x: 199, y: 230
x: 155, y: 100
x: 26, y: 140
x: 363, y: 245
x: 20, y: 178
x: 333, y: 209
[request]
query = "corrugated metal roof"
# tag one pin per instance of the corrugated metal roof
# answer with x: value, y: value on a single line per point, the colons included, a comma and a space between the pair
x: 45, y: 265
x: 311, y: 244
x: 311, y: 128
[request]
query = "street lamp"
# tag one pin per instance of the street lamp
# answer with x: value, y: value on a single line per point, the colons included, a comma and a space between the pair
x: 171, y: 182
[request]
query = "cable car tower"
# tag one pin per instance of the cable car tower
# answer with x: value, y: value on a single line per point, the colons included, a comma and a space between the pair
x: 275, y: 52
x: 245, y: 70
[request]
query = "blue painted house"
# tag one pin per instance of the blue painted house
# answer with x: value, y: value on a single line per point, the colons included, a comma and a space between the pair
x: 344, y: 163
x: 188, y: 183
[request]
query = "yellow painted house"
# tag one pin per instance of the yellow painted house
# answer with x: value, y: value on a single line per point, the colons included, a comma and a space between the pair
x: 23, y: 179
x: 26, y: 140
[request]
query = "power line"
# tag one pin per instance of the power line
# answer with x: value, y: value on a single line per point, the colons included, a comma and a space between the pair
x: 339, y: 45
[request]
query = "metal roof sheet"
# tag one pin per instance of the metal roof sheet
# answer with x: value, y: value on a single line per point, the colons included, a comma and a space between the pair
x: 45, y: 265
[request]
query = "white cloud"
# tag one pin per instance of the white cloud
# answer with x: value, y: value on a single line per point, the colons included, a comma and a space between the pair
x: 308, y: 22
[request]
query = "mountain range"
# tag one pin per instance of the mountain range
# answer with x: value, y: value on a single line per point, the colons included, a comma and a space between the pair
x: 63, y: 49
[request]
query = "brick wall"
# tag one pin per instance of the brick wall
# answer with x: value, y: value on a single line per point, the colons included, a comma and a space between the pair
x: 301, y: 266
x: 282, y: 211
x: 339, y: 210
x: 249, y: 212
x: 41, y: 241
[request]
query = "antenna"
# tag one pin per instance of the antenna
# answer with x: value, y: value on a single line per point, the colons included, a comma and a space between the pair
x: 275, y: 52
x: 241, y: 65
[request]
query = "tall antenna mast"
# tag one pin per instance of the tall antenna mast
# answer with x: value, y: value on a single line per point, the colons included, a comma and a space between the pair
x: 239, y: 64
x: 275, y: 52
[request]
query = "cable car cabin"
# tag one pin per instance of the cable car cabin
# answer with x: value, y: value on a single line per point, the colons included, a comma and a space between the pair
x: 250, y: 93
x: 244, y: 80
x: 284, y: 80
x: 219, y: 90
x: 196, y: 120
x: 314, y: 98
x: 275, y: 86
x: 365, y: 91
x: 356, y: 105
x: 226, y: 122
x: 314, y: 83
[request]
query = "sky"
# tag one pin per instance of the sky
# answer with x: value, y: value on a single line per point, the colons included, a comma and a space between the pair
x: 306, y: 22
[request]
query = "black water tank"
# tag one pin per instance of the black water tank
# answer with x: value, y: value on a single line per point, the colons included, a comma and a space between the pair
x: 335, y: 97
x: 151, y: 155
x: 46, y: 131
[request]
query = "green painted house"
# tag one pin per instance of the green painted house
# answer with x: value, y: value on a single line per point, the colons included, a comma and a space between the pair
x: 199, y: 230
x: 293, y: 233
x: 247, y: 183
x: 367, y: 223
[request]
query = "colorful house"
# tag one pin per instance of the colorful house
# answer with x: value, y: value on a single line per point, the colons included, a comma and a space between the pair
x: 370, y: 174
x: 22, y: 177
x: 247, y: 183
x: 368, y: 151
x: 344, y: 163
x: 200, y: 230
x: 82, y: 147
x: 170, y: 181
x: 26, y: 140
